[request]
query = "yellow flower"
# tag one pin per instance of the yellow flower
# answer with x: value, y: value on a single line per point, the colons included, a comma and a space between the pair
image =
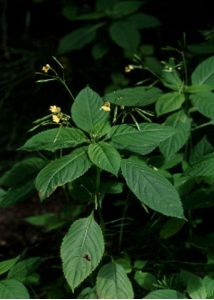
x: 106, y: 106
x: 55, y: 109
x: 46, y: 68
x: 55, y: 119
x: 129, y: 68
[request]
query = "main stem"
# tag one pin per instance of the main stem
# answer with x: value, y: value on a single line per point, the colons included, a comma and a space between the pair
x: 97, y: 202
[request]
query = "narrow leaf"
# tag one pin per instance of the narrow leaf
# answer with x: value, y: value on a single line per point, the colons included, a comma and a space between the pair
x: 61, y: 171
x: 113, y: 283
x: 182, y: 124
x: 105, y: 156
x: 86, y: 110
x: 6, y: 265
x: 53, y: 139
x: 13, y: 289
x: 151, y: 188
x: 137, y: 96
x: 81, y: 250
x: 169, y: 102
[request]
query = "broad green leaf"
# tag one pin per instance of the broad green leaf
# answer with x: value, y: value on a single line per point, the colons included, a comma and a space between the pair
x: 151, y: 188
x: 61, y: 171
x: 13, y: 289
x: 78, y: 39
x: 6, y: 265
x: 204, y: 72
x: 125, y: 35
x: 18, y: 194
x: 142, y: 21
x: 202, y: 148
x: 86, y: 110
x: 196, y: 288
x: 111, y: 187
x: 100, y: 129
x: 182, y: 124
x: 88, y: 293
x: 22, y: 172
x: 137, y: 96
x: 204, y: 103
x: 128, y: 137
x: 206, y: 47
x: 171, y: 78
x: 23, y: 270
x: 105, y: 156
x: 171, y: 227
x: 113, y: 283
x: 165, y: 294
x: 53, y: 139
x: 81, y: 250
x: 197, y: 88
x: 139, y: 264
x: 49, y: 221
x: 202, y: 198
x: 169, y: 102
x: 145, y: 280
x: 99, y: 50
x: 103, y: 5
x: 124, y: 8
x: 203, y: 167
x: 91, y: 16
x: 208, y: 283
x: 125, y: 263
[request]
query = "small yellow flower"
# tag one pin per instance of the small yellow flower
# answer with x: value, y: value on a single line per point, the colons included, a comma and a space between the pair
x: 55, y: 119
x: 46, y: 68
x: 106, y: 106
x: 129, y: 68
x: 55, y: 109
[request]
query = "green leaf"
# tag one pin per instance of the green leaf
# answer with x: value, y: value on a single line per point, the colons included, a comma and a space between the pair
x: 151, y: 188
x: 142, y: 21
x: 124, y: 262
x: 197, y: 88
x: 124, y: 8
x: 78, y: 39
x: 88, y: 293
x: 203, y: 167
x: 125, y: 35
x: 202, y: 148
x: 49, y: 221
x: 99, y: 50
x: 103, y: 5
x: 81, y: 250
x: 182, y: 124
x: 196, y: 288
x: 145, y: 280
x: 139, y: 264
x: 128, y: 137
x: 18, y: 194
x: 53, y: 139
x: 204, y: 72
x: 23, y: 269
x: 111, y: 187
x: 202, y: 198
x: 204, y: 103
x: 22, y: 172
x: 86, y: 110
x: 165, y: 294
x: 171, y: 227
x: 137, y: 96
x: 61, y: 171
x: 13, y: 289
x: 171, y: 77
x: 105, y: 156
x: 6, y: 265
x: 169, y: 102
x: 208, y: 283
x: 113, y: 283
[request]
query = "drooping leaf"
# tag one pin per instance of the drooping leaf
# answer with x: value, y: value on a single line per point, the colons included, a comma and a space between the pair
x: 204, y: 167
x: 202, y: 148
x: 86, y: 110
x: 137, y: 96
x: 182, y: 124
x: 13, y: 289
x: 105, y: 156
x: 53, y: 139
x: 6, y: 265
x: 151, y: 188
x: 78, y: 38
x: 169, y: 102
x: 204, y: 72
x: 142, y: 21
x: 165, y: 294
x: 125, y: 35
x: 124, y: 8
x: 81, y: 250
x: 204, y: 103
x: 61, y: 171
x: 145, y: 280
x: 23, y: 270
x: 113, y: 283
x: 22, y: 172
x: 150, y: 136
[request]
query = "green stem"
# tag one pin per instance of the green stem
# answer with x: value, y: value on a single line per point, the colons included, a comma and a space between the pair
x: 97, y: 201
x: 66, y: 87
x: 122, y: 222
